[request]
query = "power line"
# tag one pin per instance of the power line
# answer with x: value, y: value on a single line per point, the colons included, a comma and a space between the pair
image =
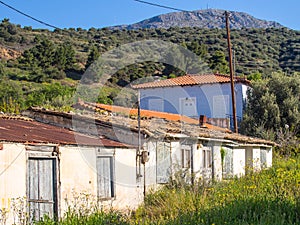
x: 24, y: 14
x: 172, y: 8
x: 161, y: 6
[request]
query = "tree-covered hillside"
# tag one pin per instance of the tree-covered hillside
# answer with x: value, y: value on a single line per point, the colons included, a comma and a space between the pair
x: 42, y: 67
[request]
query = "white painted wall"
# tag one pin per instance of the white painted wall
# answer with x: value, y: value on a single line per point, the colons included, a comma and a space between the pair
x: 129, y: 192
x: 197, y: 161
x: 269, y: 157
x: 12, y: 179
x: 256, y: 158
x: 79, y: 175
x: 239, y: 161
x: 217, y: 161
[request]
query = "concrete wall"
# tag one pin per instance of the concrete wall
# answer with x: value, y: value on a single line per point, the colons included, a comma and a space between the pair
x: 217, y: 161
x: 13, y: 181
x: 239, y: 161
x: 79, y: 175
x: 269, y: 157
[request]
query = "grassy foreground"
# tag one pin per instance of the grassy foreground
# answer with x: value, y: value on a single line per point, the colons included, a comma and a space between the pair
x: 269, y: 197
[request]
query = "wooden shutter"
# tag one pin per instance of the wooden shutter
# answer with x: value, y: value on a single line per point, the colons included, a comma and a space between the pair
x: 163, y: 162
x: 105, y: 177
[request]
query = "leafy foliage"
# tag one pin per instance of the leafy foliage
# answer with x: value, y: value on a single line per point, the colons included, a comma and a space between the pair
x: 273, y: 106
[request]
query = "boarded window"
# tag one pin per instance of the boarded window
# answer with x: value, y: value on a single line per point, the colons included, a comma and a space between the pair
x: 41, y: 187
x: 163, y: 162
x: 186, y: 156
x: 105, y: 177
x: 206, y: 157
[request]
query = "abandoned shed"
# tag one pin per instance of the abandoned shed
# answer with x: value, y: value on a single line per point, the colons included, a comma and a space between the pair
x: 44, y: 167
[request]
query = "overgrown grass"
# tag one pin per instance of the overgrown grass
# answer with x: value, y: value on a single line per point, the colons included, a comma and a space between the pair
x: 96, y: 218
x: 269, y: 197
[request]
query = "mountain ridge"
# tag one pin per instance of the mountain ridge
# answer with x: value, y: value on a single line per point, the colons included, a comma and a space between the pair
x: 208, y: 18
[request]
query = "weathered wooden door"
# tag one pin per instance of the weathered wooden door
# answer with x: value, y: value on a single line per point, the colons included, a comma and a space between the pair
x: 105, y: 177
x: 42, y: 187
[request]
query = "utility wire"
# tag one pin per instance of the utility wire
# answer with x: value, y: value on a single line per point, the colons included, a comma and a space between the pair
x: 172, y: 8
x: 161, y: 6
x: 24, y: 14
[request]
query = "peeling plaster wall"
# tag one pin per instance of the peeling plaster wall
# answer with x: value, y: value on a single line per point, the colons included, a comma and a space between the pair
x: 269, y: 157
x: 79, y: 176
x: 256, y: 159
x: 217, y: 161
x: 12, y: 178
x: 197, y: 161
x: 129, y: 192
x: 239, y: 161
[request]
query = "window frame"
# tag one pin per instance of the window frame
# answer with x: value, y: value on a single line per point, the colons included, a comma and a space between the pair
x: 186, y: 157
x: 206, y: 158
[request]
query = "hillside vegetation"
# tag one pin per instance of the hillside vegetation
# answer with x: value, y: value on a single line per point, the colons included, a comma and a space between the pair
x: 39, y: 67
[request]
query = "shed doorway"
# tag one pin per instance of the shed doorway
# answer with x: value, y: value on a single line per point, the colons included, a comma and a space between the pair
x: 42, y: 187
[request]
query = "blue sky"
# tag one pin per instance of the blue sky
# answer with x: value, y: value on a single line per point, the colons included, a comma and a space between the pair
x: 101, y: 13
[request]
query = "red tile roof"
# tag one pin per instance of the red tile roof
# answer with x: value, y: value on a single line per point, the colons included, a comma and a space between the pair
x: 145, y: 114
x: 28, y: 131
x: 190, y: 79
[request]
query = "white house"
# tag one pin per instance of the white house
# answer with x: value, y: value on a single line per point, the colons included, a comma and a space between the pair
x: 44, y: 168
x: 54, y: 155
x: 194, y: 95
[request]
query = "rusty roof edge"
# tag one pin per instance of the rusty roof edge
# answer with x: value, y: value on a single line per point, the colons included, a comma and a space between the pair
x: 95, y: 119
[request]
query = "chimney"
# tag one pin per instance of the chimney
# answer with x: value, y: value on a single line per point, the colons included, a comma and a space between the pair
x: 202, y: 120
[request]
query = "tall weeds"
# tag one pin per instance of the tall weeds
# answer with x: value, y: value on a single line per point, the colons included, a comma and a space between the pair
x: 269, y: 197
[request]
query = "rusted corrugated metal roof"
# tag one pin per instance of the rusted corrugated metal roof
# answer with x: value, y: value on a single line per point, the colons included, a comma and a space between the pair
x: 189, y: 80
x: 13, y: 129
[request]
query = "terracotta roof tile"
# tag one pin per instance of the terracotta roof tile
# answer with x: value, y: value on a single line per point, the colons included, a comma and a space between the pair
x: 190, y: 79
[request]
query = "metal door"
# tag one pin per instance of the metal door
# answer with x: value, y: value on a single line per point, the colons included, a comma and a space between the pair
x: 42, y: 188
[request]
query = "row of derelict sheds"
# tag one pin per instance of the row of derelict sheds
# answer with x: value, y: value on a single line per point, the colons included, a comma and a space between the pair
x: 48, y: 159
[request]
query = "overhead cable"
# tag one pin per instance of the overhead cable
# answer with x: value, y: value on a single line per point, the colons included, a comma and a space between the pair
x: 24, y: 14
x: 161, y: 6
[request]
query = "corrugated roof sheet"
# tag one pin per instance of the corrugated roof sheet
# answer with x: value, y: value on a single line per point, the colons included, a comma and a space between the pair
x: 13, y: 129
x: 145, y: 114
x: 189, y: 80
